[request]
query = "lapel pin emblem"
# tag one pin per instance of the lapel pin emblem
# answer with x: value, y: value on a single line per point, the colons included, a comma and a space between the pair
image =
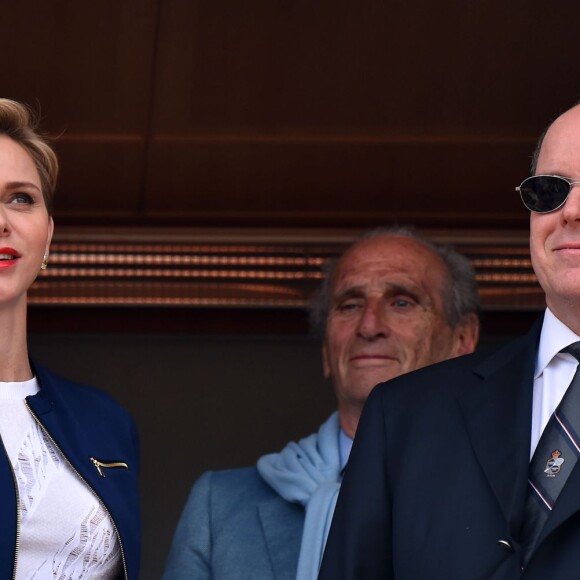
x: 100, y: 464
x: 554, y: 464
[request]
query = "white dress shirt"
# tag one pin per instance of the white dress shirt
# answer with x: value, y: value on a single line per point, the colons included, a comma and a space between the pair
x: 553, y: 374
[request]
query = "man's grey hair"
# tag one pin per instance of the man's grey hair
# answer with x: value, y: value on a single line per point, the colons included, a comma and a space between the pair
x: 460, y: 294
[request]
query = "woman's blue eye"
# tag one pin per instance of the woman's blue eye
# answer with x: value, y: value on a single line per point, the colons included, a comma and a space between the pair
x: 22, y: 198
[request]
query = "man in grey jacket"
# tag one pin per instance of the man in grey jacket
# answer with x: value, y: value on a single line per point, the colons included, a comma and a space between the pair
x: 392, y: 303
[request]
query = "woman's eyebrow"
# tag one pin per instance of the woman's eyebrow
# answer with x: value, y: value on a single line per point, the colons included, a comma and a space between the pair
x: 18, y: 184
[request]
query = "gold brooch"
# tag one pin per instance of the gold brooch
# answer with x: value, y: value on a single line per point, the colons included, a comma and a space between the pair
x: 99, y: 464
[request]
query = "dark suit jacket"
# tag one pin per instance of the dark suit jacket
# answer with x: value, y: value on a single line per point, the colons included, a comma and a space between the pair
x: 438, y: 475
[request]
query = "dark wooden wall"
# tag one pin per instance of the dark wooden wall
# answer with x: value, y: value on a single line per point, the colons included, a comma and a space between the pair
x: 271, y: 112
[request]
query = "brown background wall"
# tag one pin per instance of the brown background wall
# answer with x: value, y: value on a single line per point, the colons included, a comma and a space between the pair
x: 271, y: 112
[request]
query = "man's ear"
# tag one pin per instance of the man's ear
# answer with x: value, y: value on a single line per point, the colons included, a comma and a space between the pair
x: 325, y: 363
x: 466, y: 335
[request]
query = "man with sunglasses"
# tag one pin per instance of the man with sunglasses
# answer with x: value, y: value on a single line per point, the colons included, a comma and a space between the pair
x: 466, y: 470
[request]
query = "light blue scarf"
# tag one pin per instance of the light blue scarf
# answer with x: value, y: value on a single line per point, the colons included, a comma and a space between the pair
x: 308, y: 473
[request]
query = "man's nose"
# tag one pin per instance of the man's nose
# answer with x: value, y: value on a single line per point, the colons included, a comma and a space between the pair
x: 571, y: 209
x: 373, y: 322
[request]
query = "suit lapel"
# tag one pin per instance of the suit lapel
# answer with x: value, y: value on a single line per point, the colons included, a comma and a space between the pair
x: 497, y: 412
x: 282, y: 524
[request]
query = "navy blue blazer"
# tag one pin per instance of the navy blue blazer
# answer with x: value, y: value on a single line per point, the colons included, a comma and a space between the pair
x: 236, y: 527
x: 437, y: 478
x: 83, y: 422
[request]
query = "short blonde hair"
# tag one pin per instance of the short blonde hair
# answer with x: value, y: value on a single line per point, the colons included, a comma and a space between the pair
x: 19, y: 123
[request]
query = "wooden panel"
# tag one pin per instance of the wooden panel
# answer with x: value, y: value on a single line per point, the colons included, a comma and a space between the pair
x: 88, y: 67
x: 87, y: 64
x: 350, y: 114
x: 269, y: 112
x: 373, y: 65
x: 428, y: 182
x: 99, y: 180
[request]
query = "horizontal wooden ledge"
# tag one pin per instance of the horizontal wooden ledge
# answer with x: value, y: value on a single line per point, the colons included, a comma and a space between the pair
x: 289, y: 138
x: 247, y: 268
x: 507, y: 220
x: 256, y: 236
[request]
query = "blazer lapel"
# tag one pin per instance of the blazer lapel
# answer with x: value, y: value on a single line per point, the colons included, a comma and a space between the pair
x: 282, y: 524
x: 497, y: 412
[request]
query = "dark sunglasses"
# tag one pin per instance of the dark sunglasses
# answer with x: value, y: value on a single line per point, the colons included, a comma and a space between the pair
x: 544, y: 193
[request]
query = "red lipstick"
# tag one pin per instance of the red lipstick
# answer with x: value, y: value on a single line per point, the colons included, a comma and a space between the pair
x: 8, y: 257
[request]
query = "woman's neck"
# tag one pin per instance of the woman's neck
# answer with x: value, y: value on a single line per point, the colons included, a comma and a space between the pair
x: 14, y: 363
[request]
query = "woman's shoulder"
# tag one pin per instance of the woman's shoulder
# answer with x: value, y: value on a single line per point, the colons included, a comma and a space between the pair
x: 59, y: 391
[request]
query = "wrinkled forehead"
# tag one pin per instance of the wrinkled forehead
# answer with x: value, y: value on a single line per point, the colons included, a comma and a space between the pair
x: 389, y: 261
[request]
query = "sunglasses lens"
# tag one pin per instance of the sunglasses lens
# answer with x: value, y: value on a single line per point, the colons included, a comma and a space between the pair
x: 543, y: 193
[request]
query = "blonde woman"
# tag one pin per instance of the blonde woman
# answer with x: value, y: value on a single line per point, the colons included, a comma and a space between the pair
x: 68, y: 453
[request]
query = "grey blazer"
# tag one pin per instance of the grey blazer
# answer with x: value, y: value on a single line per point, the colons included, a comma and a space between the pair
x: 236, y: 527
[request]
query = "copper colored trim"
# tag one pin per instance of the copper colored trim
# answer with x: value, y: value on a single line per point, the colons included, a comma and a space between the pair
x: 240, y: 269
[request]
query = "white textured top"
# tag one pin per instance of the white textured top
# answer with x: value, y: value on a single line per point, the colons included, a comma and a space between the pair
x: 553, y: 374
x: 65, y: 531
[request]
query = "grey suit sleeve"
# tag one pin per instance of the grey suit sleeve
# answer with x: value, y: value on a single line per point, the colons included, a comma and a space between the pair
x: 190, y: 554
x: 359, y: 546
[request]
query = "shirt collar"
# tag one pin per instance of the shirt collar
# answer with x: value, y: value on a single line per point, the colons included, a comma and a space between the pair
x: 554, y: 337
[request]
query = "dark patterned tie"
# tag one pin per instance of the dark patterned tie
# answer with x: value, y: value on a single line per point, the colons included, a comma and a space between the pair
x: 552, y: 462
